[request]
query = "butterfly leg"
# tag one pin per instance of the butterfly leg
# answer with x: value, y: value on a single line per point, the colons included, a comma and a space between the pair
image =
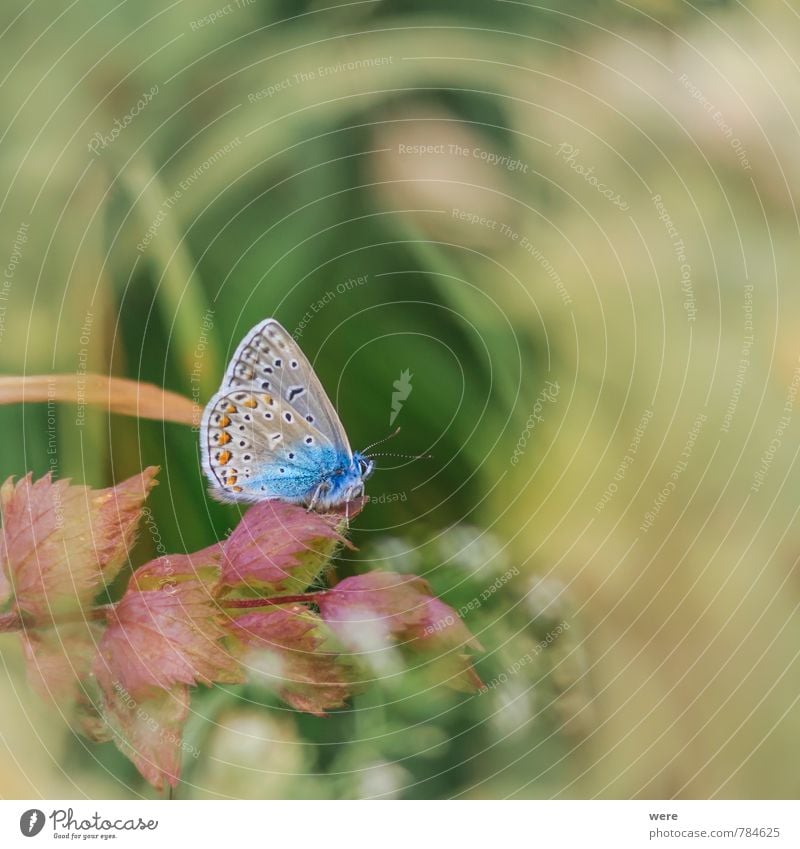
x: 323, y: 487
x: 313, y: 499
x: 356, y: 492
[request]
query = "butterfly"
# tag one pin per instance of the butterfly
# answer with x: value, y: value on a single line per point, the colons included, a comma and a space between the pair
x: 272, y: 433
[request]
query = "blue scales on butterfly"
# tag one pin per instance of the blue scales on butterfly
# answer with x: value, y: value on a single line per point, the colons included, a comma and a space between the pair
x: 272, y: 433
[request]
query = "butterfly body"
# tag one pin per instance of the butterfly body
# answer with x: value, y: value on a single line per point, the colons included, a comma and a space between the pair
x: 324, y: 479
x: 271, y: 433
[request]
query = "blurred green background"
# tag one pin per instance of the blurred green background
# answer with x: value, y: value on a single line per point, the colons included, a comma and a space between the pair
x: 491, y: 196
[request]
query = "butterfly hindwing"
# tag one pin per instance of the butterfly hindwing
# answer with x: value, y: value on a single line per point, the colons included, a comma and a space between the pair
x: 257, y: 446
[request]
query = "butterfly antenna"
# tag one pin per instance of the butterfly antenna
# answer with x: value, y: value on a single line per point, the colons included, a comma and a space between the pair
x: 385, y: 438
x: 404, y: 456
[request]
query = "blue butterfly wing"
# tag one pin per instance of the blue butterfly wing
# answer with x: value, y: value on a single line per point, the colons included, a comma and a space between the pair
x: 271, y: 431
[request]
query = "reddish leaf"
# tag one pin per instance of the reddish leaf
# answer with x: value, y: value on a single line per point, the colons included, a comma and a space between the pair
x: 289, y: 651
x: 161, y: 637
x: 5, y: 586
x: 280, y: 548
x: 368, y: 612
x: 90, y: 712
x: 148, y: 730
x: 172, y: 569
x: 58, y: 659
x: 444, y: 627
x: 394, y: 603
x: 443, y: 638
x: 118, y: 511
x: 60, y: 543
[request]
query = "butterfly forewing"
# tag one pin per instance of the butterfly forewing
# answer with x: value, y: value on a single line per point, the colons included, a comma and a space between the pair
x: 269, y: 361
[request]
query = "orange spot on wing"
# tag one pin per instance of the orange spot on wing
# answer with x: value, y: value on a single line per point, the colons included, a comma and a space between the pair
x: 231, y: 480
x: 224, y: 457
x: 250, y: 402
x: 224, y: 438
x: 230, y: 409
x: 224, y: 421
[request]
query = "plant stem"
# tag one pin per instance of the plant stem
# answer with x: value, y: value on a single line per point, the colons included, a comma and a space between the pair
x: 14, y: 621
x: 244, y: 603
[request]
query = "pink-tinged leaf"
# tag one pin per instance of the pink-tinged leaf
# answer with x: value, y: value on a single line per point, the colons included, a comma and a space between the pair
x: 158, y: 638
x: 148, y: 730
x: 116, y: 512
x: 171, y: 569
x: 289, y: 651
x: 394, y: 603
x: 58, y: 659
x: 61, y: 543
x: 444, y: 627
x: 90, y: 720
x: 280, y: 548
x: 442, y: 636
x: 369, y: 612
x: 5, y: 585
